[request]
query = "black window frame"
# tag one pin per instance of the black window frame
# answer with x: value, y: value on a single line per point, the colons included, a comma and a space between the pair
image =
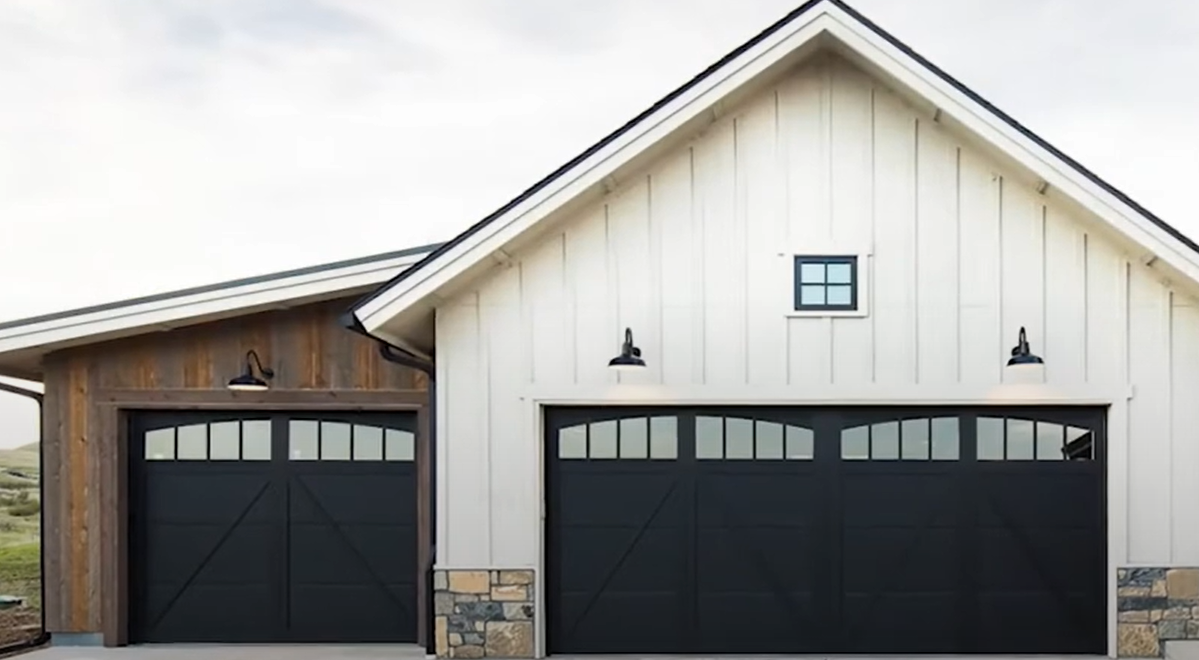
x: 824, y: 260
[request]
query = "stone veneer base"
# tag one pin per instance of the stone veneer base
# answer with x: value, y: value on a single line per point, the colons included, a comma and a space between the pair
x: 483, y: 613
x: 1155, y: 605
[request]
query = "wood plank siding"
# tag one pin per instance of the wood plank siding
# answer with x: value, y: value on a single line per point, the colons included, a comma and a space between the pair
x: 318, y: 365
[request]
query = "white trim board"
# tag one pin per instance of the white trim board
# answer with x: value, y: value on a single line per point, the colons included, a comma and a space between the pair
x: 22, y: 343
x: 649, y: 394
x: 824, y: 24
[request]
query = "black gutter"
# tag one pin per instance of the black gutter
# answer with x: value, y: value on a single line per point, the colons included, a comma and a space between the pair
x: 574, y: 162
x: 399, y: 356
x: 40, y: 398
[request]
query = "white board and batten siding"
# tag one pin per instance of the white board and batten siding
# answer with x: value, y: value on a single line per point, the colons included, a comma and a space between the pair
x: 695, y: 256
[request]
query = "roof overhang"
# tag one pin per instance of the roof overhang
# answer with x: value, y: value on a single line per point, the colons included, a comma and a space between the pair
x: 400, y: 310
x: 24, y: 342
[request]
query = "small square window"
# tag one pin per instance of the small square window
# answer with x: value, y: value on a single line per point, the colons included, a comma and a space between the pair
x: 826, y: 283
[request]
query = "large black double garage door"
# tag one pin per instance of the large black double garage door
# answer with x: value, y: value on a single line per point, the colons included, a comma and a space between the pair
x: 272, y: 527
x: 830, y: 530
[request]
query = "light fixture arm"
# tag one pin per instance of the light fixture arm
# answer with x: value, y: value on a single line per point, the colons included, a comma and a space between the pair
x: 266, y: 372
x: 628, y: 349
x: 1021, y: 347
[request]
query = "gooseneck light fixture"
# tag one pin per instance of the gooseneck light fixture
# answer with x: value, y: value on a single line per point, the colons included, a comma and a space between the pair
x: 630, y: 356
x: 247, y: 381
x: 1022, y: 355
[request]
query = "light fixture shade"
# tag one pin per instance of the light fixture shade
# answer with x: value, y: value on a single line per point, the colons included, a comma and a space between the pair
x: 626, y: 363
x: 1022, y: 355
x: 630, y: 356
x: 1025, y: 361
x: 247, y: 383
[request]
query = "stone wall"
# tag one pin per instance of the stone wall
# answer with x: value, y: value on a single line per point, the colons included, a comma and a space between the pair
x: 1156, y: 605
x: 483, y: 613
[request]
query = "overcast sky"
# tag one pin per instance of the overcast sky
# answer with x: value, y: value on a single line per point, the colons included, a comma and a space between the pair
x: 147, y: 145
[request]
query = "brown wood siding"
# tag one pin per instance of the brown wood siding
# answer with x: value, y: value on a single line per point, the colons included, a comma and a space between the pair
x: 317, y: 363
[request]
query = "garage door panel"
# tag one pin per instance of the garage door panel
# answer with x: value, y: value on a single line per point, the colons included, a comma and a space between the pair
x: 373, y: 499
x: 1038, y: 500
x: 209, y: 554
x: 913, y: 621
x: 877, y: 497
x: 744, y: 497
x: 328, y: 554
x: 628, y: 559
x: 191, y: 495
x: 224, y: 612
x: 740, y: 560
x: 752, y: 622
x: 617, y: 621
x: 594, y: 496
x: 1022, y: 622
x: 363, y: 612
x: 896, y: 559
x: 1037, y: 559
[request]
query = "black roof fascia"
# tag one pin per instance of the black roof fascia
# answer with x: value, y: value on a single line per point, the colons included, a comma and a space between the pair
x: 873, y: 27
x: 208, y: 288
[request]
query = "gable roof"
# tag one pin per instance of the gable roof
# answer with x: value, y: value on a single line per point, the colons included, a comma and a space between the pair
x: 812, y: 21
x: 24, y: 341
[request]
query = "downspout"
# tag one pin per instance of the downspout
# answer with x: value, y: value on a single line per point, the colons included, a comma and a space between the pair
x: 41, y: 511
x: 397, y: 355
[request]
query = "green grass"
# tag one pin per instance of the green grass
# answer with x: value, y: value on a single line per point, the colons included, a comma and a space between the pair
x: 20, y: 553
x: 19, y: 496
x: 21, y: 573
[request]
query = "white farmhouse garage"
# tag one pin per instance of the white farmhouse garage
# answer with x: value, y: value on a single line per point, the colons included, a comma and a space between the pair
x: 824, y: 249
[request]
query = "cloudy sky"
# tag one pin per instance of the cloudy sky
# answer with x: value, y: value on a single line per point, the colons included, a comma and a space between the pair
x: 147, y: 145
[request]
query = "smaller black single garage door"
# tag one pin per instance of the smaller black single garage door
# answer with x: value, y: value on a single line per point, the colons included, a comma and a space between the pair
x: 826, y: 530
x: 272, y: 528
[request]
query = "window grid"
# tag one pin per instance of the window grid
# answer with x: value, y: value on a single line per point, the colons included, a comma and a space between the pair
x: 739, y: 438
x: 630, y: 438
x: 1016, y: 439
x: 323, y: 440
x: 826, y: 283
x: 913, y: 439
x: 226, y: 440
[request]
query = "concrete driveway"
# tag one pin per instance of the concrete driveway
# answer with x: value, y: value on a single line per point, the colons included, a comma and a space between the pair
x: 230, y: 652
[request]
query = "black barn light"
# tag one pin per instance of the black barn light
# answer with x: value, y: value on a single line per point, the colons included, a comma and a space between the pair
x: 630, y: 356
x: 247, y: 381
x: 1022, y: 355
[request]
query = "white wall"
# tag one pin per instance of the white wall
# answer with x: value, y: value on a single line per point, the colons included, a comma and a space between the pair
x: 696, y: 255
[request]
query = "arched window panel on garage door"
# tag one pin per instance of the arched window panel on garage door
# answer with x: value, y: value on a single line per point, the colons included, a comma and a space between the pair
x: 1020, y: 438
x: 648, y: 437
x: 336, y: 440
x: 221, y: 440
x: 910, y: 439
x: 729, y: 437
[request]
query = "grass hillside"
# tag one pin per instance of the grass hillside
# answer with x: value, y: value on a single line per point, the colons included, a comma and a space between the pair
x: 20, y: 552
x: 19, y: 503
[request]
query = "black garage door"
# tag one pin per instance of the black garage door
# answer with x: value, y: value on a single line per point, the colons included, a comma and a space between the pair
x: 834, y: 530
x: 272, y: 528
